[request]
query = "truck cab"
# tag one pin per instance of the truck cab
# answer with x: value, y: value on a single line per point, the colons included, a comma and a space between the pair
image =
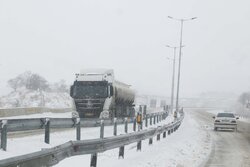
x: 96, y: 94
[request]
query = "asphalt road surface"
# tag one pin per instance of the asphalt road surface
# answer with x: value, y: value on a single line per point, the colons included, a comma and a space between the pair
x: 230, y: 149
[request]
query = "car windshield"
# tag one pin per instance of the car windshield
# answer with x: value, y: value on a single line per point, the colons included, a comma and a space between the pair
x: 230, y: 115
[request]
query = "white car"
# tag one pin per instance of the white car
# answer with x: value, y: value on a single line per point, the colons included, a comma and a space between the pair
x: 225, y: 121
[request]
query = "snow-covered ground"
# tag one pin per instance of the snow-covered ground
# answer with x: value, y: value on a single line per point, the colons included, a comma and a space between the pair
x: 30, y: 98
x: 215, y: 112
x: 244, y: 119
x: 188, y: 146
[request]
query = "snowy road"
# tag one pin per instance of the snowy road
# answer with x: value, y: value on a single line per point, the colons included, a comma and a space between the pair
x: 230, y: 149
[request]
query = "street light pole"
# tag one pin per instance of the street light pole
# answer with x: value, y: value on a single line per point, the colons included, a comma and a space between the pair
x: 180, y: 52
x: 179, y: 71
x: 173, y: 78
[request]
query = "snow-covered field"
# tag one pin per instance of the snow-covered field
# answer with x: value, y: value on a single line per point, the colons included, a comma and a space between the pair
x: 188, y: 146
x: 30, y: 98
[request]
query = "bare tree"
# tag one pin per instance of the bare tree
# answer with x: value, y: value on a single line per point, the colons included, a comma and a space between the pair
x: 29, y: 80
x: 14, y: 83
x: 37, y: 82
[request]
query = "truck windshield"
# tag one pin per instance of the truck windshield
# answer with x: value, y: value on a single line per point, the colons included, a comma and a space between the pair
x: 90, y: 90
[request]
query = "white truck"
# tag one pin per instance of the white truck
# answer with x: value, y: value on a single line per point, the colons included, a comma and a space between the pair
x: 96, y: 94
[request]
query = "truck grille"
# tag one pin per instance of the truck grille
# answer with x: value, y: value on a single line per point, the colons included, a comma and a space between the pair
x: 89, y: 104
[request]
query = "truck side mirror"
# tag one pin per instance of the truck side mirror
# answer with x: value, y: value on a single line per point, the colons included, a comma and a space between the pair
x: 71, y: 91
x: 213, y: 117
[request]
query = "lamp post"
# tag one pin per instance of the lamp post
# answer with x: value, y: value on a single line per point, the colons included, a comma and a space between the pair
x: 173, y: 75
x: 179, y: 68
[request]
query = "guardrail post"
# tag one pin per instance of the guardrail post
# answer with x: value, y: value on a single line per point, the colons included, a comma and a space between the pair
x: 150, y: 119
x: 139, y: 146
x: 78, y: 128
x: 164, y: 134
x: 154, y: 119
x: 3, y: 126
x: 126, y: 125
x: 121, y: 149
x: 158, y: 136
x: 157, y: 118
x: 47, y: 131
x: 134, y: 125
x: 141, y: 126
x: 146, y: 121
x: 140, y: 108
x: 169, y: 131
x: 150, y: 141
x: 121, y: 152
x: 102, y: 129
x: 115, y: 127
x: 93, y: 161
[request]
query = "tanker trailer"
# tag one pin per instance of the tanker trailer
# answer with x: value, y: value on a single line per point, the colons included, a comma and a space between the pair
x: 96, y: 94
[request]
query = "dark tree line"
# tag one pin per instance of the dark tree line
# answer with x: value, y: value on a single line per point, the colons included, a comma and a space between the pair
x: 32, y: 81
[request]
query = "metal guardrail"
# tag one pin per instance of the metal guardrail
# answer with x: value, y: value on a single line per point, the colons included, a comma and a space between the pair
x: 52, y: 156
x: 15, y: 125
x: 8, y: 112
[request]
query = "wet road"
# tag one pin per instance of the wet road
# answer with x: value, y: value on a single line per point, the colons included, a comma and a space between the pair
x: 230, y: 149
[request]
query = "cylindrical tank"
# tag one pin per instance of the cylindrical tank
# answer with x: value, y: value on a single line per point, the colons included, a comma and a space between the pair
x: 123, y: 93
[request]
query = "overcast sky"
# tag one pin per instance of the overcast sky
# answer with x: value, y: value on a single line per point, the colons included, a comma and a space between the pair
x: 57, y: 38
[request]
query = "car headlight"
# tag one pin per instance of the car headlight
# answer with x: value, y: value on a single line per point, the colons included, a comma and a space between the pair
x: 233, y: 121
x: 217, y: 121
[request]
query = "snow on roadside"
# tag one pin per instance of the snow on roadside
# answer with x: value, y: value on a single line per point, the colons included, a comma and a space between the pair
x: 188, y: 146
x: 28, y: 144
x: 244, y: 119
